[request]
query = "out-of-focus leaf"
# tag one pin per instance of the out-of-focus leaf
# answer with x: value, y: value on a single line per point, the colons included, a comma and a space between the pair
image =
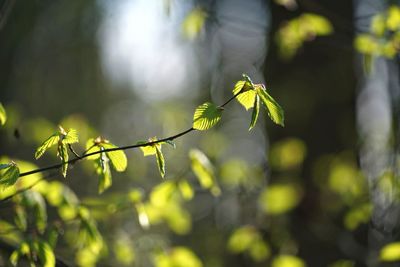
x: 358, y: 215
x: 9, y: 176
x: 393, y: 18
x: 390, y: 252
x: 378, y: 25
x: 256, y: 111
x: 288, y: 154
x: 162, y: 193
x: 124, y: 252
x: 45, y: 253
x: 22, y: 250
x: 51, y: 141
x: 275, y: 112
x: 206, y: 116
x: 3, y: 115
x: 186, y: 189
x: 248, y: 239
x: 177, y: 257
x: 342, y: 263
x: 279, y: 198
x: 247, y: 94
x: 160, y: 161
x: 194, y: 23
x: 288, y: 261
x: 204, y: 171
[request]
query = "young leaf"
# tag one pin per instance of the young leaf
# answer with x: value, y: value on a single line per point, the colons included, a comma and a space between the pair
x: 71, y: 137
x: 256, y: 111
x: 62, y: 153
x: 206, y: 116
x: 160, y: 161
x: 45, y: 253
x: 51, y: 141
x: 102, y: 166
x: 118, y: 158
x: 186, y: 190
x: 203, y: 169
x: 92, y: 146
x: 247, y: 95
x: 275, y: 111
x: 151, y: 149
x: 5, y: 166
x: 3, y: 115
x: 10, y: 176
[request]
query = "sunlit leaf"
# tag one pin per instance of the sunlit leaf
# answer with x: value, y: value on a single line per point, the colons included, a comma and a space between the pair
x: 390, y: 252
x: 206, y: 116
x: 9, y: 176
x: 102, y: 166
x: 204, y: 171
x: 118, y: 158
x: 160, y: 161
x: 288, y: 154
x: 22, y: 250
x: 151, y: 149
x: 288, y: 261
x: 186, y: 190
x: 45, y: 253
x: 247, y: 96
x: 62, y: 153
x: 51, y: 141
x: 242, y: 239
x: 393, y: 18
x: 259, y: 250
x: 279, y: 198
x: 162, y: 193
x: 124, y: 252
x: 3, y: 115
x: 275, y: 111
x: 71, y: 137
x: 177, y: 257
x: 256, y: 111
x: 378, y: 25
x: 194, y: 23
x: 92, y: 147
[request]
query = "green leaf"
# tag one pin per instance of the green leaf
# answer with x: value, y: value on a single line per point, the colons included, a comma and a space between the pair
x: 390, y: 252
x: 288, y: 260
x: 10, y: 176
x: 91, y: 147
x: 194, y: 23
x: 186, y: 190
x: 275, y: 111
x: 247, y: 96
x: 46, y: 254
x: 102, y: 166
x: 118, y: 158
x: 206, y: 116
x: 5, y: 166
x: 160, y: 161
x: 150, y: 149
x: 71, y: 137
x: 62, y: 153
x: 256, y: 111
x: 204, y: 171
x: 279, y: 198
x: 51, y: 141
x: 3, y: 115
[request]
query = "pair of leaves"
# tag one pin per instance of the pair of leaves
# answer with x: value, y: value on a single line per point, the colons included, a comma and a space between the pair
x: 155, y: 149
x: 102, y: 160
x: 9, y: 174
x: 249, y: 96
x: 62, y: 139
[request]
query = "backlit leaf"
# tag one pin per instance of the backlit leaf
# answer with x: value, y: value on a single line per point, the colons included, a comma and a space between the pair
x: 118, y: 158
x: 247, y: 96
x: 206, y: 116
x: 71, y: 137
x: 9, y: 176
x: 62, y: 153
x: 51, y: 141
x: 288, y: 261
x: 204, y: 171
x: 91, y: 147
x: 256, y: 111
x: 279, y: 198
x: 3, y: 115
x: 393, y: 18
x: 160, y: 161
x: 186, y: 189
x: 390, y: 252
x: 275, y: 111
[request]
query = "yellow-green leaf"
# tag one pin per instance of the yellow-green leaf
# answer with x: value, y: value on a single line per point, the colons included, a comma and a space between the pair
x: 206, y: 116
x: 10, y: 176
x: 91, y: 147
x: 62, y: 153
x: 71, y: 137
x: 118, y: 158
x: 247, y: 96
x: 194, y: 23
x: 160, y: 161
x: 46, y: 254
x: 390, y: 252
x: 393, y: 18
x: 288, y: 261
x: 186, y: 189
x: 51, y: 141
x: 3, y: 115
x: 256, y: 111
x: 204, y: 171
x: 275, y: 111
x: 279, y: 198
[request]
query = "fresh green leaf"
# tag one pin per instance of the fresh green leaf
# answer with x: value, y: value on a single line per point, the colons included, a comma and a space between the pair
x: 102, y: 166
x: 247, y: 94
x: 160, y: 161
x: 186, y: 190
x: 118, y: 158
x: 150, y: 149
x: 10, y: 176
x: 390, y: 252
x: 275, y: 111
x: 288, y: 260
x: 45, y: 253
x: 206, y: 116
x: 22, y: 250
x: 51, y: 141
x: 71, y: 137
x: 256, y: 111
x: 3, y: 115
x: 204, y: 171
x: 63, y: 155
